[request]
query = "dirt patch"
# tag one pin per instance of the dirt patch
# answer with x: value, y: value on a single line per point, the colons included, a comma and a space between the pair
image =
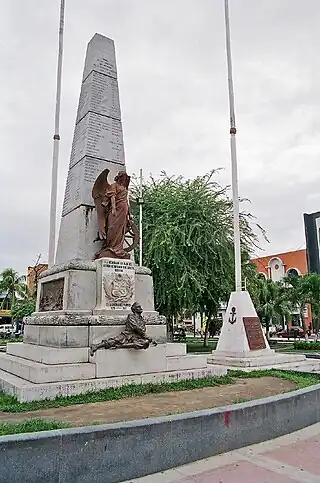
x: 159, y: 404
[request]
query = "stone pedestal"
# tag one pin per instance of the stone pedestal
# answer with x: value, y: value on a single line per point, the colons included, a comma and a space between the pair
x: 126, y: 362
x: 54, y: 358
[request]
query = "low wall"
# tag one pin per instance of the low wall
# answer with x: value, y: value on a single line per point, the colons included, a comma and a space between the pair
x: 117, y: 452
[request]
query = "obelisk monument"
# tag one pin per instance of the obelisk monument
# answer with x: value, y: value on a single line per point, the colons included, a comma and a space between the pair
x: 97, y: 145
x: 83, y: 302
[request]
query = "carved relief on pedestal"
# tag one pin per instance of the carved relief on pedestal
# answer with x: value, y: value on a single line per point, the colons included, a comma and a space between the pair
x: 51, y: 297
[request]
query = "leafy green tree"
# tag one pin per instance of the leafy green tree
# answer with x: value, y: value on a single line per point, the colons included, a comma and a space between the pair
x: 12, y: 285
x: 188, y: 243
x: 22, y: 308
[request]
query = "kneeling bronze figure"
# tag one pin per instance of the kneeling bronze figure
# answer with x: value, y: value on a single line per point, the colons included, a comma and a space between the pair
x: 134, y: 335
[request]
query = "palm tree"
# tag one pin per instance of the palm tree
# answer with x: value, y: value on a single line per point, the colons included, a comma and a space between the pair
x: 282, y: 303
x: 271, y: 301
x: 298, y: 296
x: 12, y: 285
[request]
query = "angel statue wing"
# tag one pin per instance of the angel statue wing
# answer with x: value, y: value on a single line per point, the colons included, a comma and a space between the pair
x: 100, y: 201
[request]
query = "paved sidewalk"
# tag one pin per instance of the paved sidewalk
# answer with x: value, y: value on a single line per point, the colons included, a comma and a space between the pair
x: 289, y: 459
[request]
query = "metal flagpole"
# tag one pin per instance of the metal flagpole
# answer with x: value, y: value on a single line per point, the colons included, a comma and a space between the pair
x: 234, y: 168
x: 56, y: 141
x: 140, y: 219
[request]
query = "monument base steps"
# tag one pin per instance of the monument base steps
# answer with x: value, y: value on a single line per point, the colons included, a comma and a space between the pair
x: 32, y: 372
x: 38, y: 372
x: 27, y: 391
x: 262, y: 362
x: 283, y: 362
x: 48, y: 355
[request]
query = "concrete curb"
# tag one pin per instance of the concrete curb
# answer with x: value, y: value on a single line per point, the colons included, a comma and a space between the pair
x: 113, y: 453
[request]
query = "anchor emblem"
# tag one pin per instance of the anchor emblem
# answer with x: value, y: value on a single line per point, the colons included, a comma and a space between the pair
x: 233, y: 317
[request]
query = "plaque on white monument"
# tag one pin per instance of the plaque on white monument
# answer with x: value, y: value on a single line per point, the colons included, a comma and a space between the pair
x: 99, y: 137
x: 99, y: 94
x: 118, y: 283
x: 100, y: 57
x: 80, y: 181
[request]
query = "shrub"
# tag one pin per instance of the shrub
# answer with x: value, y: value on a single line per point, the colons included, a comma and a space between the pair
x: 306, y: 346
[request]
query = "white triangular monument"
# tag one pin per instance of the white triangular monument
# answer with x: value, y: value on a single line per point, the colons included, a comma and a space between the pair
x: 97, y: 144
x: 242, y: 342
x: 242, y: 334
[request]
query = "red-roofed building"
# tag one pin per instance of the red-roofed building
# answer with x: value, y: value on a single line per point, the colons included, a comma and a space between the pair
x: 277, y: 266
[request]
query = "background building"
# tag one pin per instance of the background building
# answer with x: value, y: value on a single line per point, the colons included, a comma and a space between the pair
x: 33, y: 276
x: 277, y: 266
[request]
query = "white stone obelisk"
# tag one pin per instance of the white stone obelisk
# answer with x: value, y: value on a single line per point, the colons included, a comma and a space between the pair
x: 97, y: 145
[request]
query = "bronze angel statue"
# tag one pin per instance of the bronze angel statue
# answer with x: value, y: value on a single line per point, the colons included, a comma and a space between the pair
x: 115, y: 224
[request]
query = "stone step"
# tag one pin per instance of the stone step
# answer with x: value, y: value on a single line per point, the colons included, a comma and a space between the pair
x: 185, y: 362
x: 40, y: 373
x: 274, y: 360
x: 48, y: 355
x: 307, y: 366
x: 28, y: 391
x: 176, y: 349
x: 126, y: 362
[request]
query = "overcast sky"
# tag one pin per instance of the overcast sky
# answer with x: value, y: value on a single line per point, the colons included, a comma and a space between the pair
x: 174, y: 101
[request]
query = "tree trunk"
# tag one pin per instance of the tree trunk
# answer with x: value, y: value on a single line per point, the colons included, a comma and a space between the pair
x: 169, y: 328
x: 267, y: 328
x: 194, y: 325
x: 201, y: 323
x: 316, y: 323
x: 12, y: 299
x: 287, y: 325
x: 303, y: 322
x: 205, y: 340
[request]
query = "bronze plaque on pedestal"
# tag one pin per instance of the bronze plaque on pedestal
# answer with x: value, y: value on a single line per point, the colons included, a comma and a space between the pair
x: 51, y: 296
x: 254, y: 333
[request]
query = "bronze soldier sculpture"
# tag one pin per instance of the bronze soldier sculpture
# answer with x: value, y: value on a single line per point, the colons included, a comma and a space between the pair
x: 134, y: 335
x: 115, y: 225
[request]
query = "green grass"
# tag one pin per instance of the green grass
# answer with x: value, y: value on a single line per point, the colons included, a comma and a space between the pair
x: 10, y: 403
x: 301, y: 379
x: 239, y: 400
x: 198, y: 346
x: 290, y: 350
x: 12, y: 339
x: 31, y: 426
